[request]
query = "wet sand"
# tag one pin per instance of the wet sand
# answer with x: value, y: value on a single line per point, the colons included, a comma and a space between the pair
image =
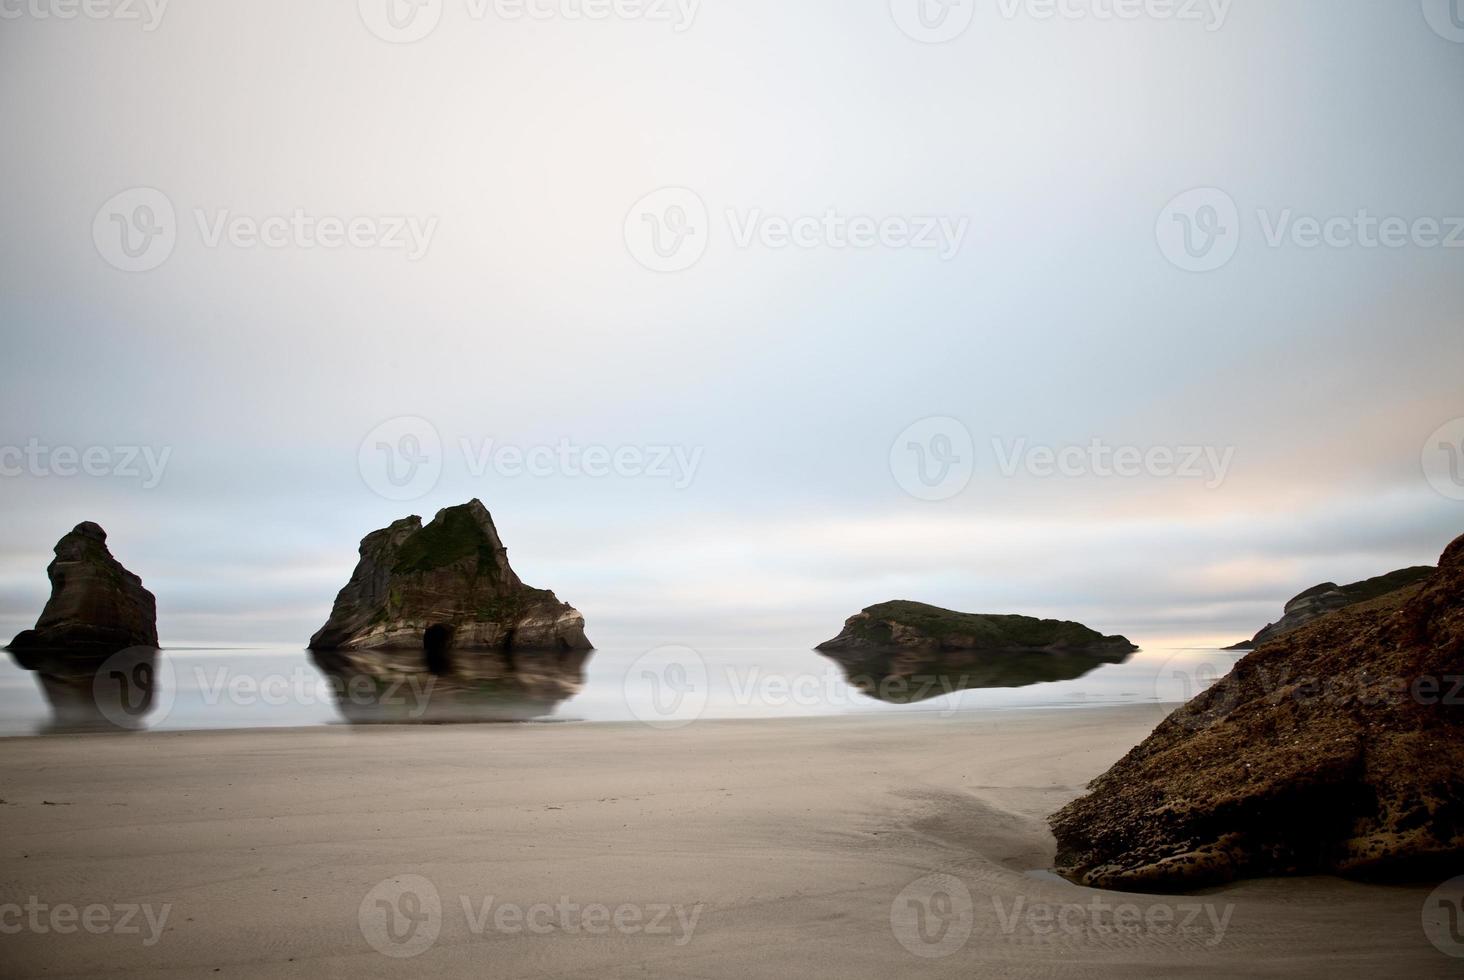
x: 868, y: 846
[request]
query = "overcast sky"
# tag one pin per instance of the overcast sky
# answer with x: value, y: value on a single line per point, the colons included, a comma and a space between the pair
x: 742, y: 253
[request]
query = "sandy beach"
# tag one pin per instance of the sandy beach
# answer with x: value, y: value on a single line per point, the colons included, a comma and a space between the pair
x: 859, y: 847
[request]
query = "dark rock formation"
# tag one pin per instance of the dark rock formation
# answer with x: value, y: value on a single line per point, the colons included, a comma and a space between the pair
x: 920, y: 630
x: 97, y: 607
x: 1329, y: 597
x: 1335, y: 748
x: 95, y: 646
x: 435, y: 615
x: 904, y: 652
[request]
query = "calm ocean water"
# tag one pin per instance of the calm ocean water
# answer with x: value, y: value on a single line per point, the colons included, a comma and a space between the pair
x: 664, y: 686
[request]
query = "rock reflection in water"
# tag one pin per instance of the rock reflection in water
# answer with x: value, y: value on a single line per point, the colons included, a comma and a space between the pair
x: 96, y: 692
x: 906, y: 677
x: 402, y: 686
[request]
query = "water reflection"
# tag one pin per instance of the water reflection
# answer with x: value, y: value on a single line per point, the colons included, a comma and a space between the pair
x: 403, y: 687
x: 904, y: 677
x: 96, y: 692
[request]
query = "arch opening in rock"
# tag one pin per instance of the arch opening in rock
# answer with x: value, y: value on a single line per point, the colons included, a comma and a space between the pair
x: 434, y: 649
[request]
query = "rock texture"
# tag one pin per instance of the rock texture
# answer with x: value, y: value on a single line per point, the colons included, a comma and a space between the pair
x: 1335, y: 748
x: 435, y: 626
x: 921, y: 630
x: 97, y: 607
x: 454, y: 574
x: 1329, y: 597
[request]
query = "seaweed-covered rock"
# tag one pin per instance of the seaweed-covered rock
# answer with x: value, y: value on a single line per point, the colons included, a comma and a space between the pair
x: 1335, y: 748
x: 443, y: 588
x: 917, y: 628
x: 435, y: 626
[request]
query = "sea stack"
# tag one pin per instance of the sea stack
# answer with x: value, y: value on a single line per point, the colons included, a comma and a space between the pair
x: 97, y: 607
x: 1328, y: 597
x: 436, y: 614
x: 1336, y: 748
x: 917, y: 628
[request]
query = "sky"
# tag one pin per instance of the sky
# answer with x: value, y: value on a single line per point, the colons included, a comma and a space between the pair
x: 739, y: 317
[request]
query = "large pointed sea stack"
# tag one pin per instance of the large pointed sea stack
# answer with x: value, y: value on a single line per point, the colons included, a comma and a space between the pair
x: 452, y: 579
x: 97, y: 607
x: 435, y: 626
x: 1336, y: 748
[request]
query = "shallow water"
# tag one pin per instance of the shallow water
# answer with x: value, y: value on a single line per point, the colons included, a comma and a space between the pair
x: 665, y: 686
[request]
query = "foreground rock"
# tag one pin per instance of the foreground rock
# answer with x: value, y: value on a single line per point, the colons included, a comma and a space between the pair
x: 97, y: 607
x: 94, y: 648
x: 1335, y: 748
x: 1330, y: 597
x: 904, y: 652
x: 435, y: 625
